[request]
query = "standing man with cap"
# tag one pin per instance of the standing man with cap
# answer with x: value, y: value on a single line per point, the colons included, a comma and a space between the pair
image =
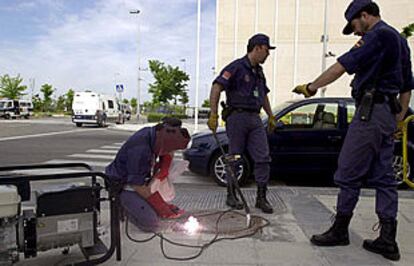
x: 244, y: 82
x: 382, y: 68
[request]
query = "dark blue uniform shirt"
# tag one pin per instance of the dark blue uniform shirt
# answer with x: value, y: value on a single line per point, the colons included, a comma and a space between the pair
x: 377, y: 60
x: 245, y: 85
x: 133, y: 162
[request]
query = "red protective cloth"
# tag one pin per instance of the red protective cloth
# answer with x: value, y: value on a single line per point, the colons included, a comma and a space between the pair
x: 161, y: 207
x: 163, y: 165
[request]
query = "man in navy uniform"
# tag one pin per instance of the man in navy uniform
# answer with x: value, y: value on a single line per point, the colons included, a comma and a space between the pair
x: 244, y: 82
x: 381, y: 63
x: 134, y: 166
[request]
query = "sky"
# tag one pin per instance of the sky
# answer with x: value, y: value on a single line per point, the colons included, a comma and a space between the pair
x: 92, y: 44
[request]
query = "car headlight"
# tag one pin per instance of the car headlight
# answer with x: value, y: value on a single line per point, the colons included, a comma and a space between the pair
x: 190, y: 143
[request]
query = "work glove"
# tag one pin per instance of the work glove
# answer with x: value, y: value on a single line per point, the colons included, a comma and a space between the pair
x: 212, y: 122
x: 304, y: 89
x: 163, y: 165
x: 161, y: 207
x: 176, y: 210
x: 271, y: 124
x: 399, y: 132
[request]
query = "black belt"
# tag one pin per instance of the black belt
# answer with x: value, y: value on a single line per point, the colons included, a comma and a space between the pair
x: 378, y: 98
x: 246, y: 110
x: 381, y: 98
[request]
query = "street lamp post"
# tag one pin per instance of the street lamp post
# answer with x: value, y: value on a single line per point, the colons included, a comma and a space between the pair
x: 137, y: 12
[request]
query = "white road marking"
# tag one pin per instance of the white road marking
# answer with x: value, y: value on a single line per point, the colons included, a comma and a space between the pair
x: 110, y: 147
x: 92, y: 156
x: 91, y: 163
x: 46, y: 134
x: 102, y: 151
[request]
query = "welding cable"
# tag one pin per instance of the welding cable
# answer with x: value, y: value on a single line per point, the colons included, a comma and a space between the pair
x: 215, y: 239
x: 136, y: 240
x: 202, y: 247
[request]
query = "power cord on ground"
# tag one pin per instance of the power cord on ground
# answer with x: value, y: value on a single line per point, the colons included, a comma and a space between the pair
x: 202, y: 247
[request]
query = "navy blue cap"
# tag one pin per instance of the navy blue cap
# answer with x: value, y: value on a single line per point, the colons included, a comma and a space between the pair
x: 260, y: 39
x: 353, y: 10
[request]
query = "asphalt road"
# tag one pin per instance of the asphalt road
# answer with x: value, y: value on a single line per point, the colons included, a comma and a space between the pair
x: 58, y: 140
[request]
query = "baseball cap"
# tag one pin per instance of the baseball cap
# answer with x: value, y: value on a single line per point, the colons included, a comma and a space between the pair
x: 353, y: 9
x: 260, y: 39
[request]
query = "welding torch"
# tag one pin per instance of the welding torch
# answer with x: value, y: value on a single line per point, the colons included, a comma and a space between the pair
x: 233, y: 178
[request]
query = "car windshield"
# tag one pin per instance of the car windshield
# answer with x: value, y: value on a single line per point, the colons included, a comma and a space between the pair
x: 278, y: 108
x: 2, y: 104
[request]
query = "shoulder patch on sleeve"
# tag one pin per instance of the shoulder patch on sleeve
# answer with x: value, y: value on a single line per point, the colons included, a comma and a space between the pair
x: 226, y: 75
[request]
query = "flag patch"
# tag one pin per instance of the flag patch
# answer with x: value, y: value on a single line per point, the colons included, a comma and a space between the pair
x: 226, y: 75
x: 359, y: 44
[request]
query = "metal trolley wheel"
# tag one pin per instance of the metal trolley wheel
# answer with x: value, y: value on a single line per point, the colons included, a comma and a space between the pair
x: 217, y: 170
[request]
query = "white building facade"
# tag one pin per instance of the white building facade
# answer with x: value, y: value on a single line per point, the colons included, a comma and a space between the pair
x: 297, y: 28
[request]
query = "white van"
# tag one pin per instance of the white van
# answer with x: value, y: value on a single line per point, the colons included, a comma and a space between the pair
x: 16, y: 108
x: 94, y: 108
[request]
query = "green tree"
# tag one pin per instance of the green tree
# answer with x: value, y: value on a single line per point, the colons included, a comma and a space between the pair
x: 47, y: 91
x: 37, y: 103
x: 134, y: 104
x: 60, y: 104
x: 206, y: 103
x: 408, y: 31
x: 125, y: 101
x: 10, y: 87
x: 69, y: 100
x: 169, y: 85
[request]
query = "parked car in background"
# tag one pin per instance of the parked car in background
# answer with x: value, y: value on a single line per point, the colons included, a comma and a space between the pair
x: 307, y: 140
x: 16, y: 108
x: 94, y: 108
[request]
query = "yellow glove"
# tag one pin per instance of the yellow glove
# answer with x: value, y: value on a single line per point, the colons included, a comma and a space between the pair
x: 399, y: 132
x: 271, y: 124
x: 303, y: 89
x: 212, y: 122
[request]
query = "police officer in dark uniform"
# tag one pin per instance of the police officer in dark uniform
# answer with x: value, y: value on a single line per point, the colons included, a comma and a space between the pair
x: 244, y: 82
x: 382, y: 68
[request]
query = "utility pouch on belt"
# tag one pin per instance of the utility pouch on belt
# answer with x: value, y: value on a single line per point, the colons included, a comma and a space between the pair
x: 227, y: 110
x: 366, y: 105
x: 395, y: 105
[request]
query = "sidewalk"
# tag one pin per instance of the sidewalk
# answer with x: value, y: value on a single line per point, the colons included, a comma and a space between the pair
x: 137, y: 126
x: 299, y: 213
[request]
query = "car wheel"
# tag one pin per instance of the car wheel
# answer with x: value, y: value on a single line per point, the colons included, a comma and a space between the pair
x: 217, y: 170
x: 397, y: 166
x: 79, y: 124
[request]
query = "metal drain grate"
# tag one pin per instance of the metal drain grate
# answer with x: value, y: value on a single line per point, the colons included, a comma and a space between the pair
x: 199, y: 200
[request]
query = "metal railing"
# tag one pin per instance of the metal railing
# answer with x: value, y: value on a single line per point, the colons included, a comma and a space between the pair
x: 406, y: 178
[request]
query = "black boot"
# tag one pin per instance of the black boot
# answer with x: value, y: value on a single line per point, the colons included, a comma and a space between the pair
x: 337, y: 235
x: 385, y: 244
x: 261, y: 201
x: 232, y: 200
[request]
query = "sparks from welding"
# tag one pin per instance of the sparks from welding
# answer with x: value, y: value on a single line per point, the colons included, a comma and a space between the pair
x: 192, y: 225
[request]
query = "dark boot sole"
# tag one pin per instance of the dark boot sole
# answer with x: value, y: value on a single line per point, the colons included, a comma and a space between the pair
x: 390, y: 256
x: 265, y: 211
x: 329, y: 244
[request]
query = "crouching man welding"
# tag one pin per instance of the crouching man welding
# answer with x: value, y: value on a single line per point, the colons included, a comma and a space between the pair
x: 136, y: 164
